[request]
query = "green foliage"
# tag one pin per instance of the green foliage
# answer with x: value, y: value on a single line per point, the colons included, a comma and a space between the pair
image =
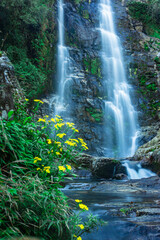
x: 33, y: 167
x: 26, y: 34
x: 97, y: 114
x: 148, y: 13
x: 149, y: 90
x: 92, y: 66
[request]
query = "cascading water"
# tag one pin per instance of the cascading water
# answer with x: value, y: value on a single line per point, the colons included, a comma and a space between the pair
x: 63, y: 67
x: 120, y: 131
x: 135, y: 171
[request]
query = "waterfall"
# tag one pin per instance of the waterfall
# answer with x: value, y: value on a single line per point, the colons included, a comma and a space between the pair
x: 120, y: 116
x: 135, y: 171
x: 63, y: 68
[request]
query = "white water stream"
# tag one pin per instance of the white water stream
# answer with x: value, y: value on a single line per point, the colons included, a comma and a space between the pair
x: 120, y: 114
x: 63, y: 67
x: 121, y: 118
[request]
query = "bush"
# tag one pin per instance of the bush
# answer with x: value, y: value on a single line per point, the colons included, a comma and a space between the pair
x: 33, y: 167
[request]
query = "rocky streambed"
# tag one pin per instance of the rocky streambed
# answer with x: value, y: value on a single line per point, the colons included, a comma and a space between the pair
x: 131, y: 208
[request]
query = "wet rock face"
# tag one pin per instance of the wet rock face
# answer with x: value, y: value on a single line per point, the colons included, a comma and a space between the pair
x: 149, y: 153
x: 84, y: 41
x: 87, y: 93
x: 10, y: 90
x: 101, y: 167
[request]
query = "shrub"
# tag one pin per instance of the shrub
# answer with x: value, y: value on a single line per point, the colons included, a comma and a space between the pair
x: 33, y: 167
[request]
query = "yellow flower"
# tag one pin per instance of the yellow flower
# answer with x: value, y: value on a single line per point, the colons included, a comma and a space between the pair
x: 77, y: 200
x: 70, y: 143
x: 70, y: 124
x: 81, y: 226
x: 49, y: 141
x: 37, y: 159
x: 60, y: 149
x: 74, y: 140
x: 46, y: 116
x: 58, y: 153
x: 47, y: 169
x: 74, y: 236
x: 59, y: 125
x: 41, y: 120
x: 69, y: 167
x: 37, y: 100
x: 58, y: 116
x: 75, y: 130
x: 61, y: 168
x: 52, y: 119
x: 82, y: 206
x: 26, y: 99
x: 61, y: 135
x: 79, y: 238
x: 58, y: 119
x: 49, y: 152
x: 58, y: 143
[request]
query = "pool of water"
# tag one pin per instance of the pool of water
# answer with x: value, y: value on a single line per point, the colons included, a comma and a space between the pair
x: 109, y: 206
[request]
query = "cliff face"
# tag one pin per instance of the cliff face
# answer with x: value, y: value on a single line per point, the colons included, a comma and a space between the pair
x: 87, y: 92
x: 10, y: 90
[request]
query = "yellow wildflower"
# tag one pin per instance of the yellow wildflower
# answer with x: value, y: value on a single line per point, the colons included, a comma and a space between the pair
x: 58, y: 153
x: 49, y: 152
x: 46, y: 116
x: 58, y: 143
x: 61, y: 135
x: 69, y: 167
x: 47, y: 169
x: 74, y: 236
x: 37, y: 100
x: 58, y: 119
x: 82, y: 206
x: 26, y: 99
x: 77, y: 200
x: 70, y: 143
x: 36, y: 159
x: 59, y: 125
x: 79, y: 238
x: 75, y: 130
x: 58, y: 116
x: 74, y: 140
x: 49, y: 141
x: 70, y: 124
x: 60, y: 149
x: 41, y: 120
x: 61, y: 168
x: 81, y: 226
x: 52, y: 119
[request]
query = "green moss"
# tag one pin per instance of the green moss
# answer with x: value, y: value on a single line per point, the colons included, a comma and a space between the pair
x: 92, y: 66
x: 85, y: 14
x: 97, y: 114
x: 148, y: 14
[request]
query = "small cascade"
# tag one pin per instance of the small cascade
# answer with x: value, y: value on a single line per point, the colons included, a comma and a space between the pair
x: 120, y: 116
x: 135, y: 171
x: 64, y: 69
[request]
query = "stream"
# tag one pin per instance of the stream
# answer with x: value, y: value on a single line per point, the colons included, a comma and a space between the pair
x: 130, y: 212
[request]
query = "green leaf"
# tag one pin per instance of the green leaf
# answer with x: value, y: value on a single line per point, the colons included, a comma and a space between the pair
x: 10, y: 113
x: 12, y: 191
x: 26, y: 120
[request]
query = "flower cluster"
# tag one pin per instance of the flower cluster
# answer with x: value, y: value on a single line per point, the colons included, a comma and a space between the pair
x: 81, y: 205
x: 36, y: 159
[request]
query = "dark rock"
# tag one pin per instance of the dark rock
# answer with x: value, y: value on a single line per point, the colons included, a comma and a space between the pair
x: 10, y: 90
x: 120, y: 176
